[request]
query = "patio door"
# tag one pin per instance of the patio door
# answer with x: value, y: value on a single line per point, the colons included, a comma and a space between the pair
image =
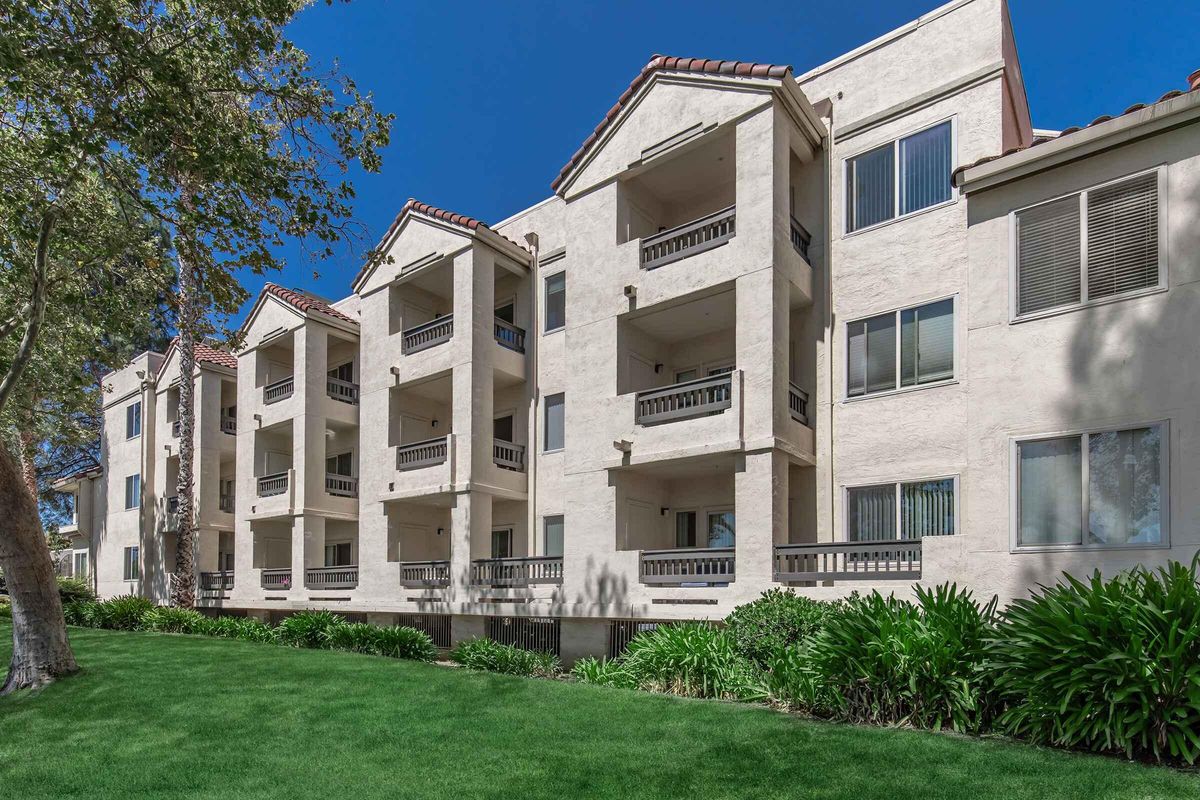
x: 721, y: 528
x: 337, y: 555
x: 502, y: 543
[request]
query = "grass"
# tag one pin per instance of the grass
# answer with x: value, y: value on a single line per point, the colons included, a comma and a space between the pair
x: 158, y: 715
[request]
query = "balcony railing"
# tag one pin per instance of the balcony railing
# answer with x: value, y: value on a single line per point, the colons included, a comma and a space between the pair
x: 175, y: 429
x: 216, y: 582
x: 696, y: 398
x: 229, y: 425
x: 331, y: 577
x: 424, y: 574
x: 279, y: 390
x: 271, y: 485
x: 896, y: 560
x: 428, y: 453
x: 526, y: 571
x: 694, y: 565
x: 508, y: 455
x: 341, y: 485
x: 428, y: 334
x: 798, y: 403
x: 510, y: 336
x: 226, y: 503
x: 689, y: 239
x: 277, y: 579
x: 801, y: 238
x: 343, y: 391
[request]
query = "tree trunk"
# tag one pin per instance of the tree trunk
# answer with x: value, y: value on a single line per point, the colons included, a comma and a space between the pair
x: 183, y: 587
x: 28, y: 460
x: 41, y: 652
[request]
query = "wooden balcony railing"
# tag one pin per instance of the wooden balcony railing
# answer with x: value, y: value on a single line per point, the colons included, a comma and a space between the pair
x: 271, y: 485
x: 277, y: 579
x: 229, y: 425
x: 508, y: 455
x: 801, y: 238
x: 798, y: 403
x: 341, y: 485
x: 417, y: 455
x: 424, y: 574
x: 510, y: 336
x: 342, y: 391
x: 525, y: 571
x: 687, y: 565
x: 428, y: 334
x: 689, y: 239
x: 331, y: 577
x: 279, y: 390
x: 216, y: 582
x: 896, y: 560
x: 226, y: 503
x: 696, y: 398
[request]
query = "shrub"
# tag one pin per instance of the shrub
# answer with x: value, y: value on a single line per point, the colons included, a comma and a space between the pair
x: 308, y: 629
x: 603, y: 673
x: 247, y: 629
x: 489, y: 656
x: 123, y: 613
x: 5, y: 608
x: 72, y: 589
x: 175, y: 620
x: 399, y: 641
x: 692, y: 659
x: 1105, y: 665
x: 83, y: 613
x: 357, y: 637
x: 889, y: 661
x: 762, y: 630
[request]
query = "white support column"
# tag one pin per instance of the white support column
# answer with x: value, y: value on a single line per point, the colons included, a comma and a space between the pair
x: 470, y: 532
x: 760, y: 489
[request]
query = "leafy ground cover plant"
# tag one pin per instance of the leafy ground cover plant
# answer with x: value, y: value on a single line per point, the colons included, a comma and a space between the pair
x: 311, y: 629
x: 489, y: 656
x: 763, y: 629
x: 166, y: 619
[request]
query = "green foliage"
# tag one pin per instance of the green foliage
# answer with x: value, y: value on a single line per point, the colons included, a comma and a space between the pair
x: 247, y: 629
x: 1108, y: 665
x: 166, y: 619
x: 602, y: 672
x: 489, y: 656
x: 72, y: 589
x: 123, y: 613
x: 357, y: 637
x: 763, y: 629
x: 5, y: 608
x: 312, y: 629
x: 83, y: 613
x: 400, y: 641
x: 889, y: 661
x: 692, y: 659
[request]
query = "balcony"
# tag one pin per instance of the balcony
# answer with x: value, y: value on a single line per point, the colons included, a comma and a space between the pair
x: 331, y: 577
x: 277, y: 579
x: 279, y: 390
x: 424, y: 574
x: 341, y: 485
x: 527, y: 571
x: 272, y: 485
x: 687, y: 566
x: 689, y: 239
x: 426, y: 335
x: 696, y: 398
x: 801, y: 238
x: 798, y: 403
x: 849, y: 561
x: 229, y: 425
x: 418, y: 455
x: 216, y: 583
x: 510, y: 336
x: 226, y: 503
x: 342, y: 391
x: 508, y: 455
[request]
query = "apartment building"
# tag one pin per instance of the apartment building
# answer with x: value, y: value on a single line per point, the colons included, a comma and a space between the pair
x: 770, y: 329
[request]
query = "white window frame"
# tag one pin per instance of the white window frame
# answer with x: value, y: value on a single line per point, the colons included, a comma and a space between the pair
x: 563, y: 519
x: 140, y: 422
x: 1014, y: 491
x: 545, y: 426
x: 702, y: 521
x: 895, y: 142
x: 953, y: 379
x: 896, y: 483
x: 1163, y: 249
x: 138, y: 498
x: 131, y: 566
x: 546, y: 301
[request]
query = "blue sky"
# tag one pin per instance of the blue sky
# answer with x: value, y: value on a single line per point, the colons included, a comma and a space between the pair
x: 492, y: 98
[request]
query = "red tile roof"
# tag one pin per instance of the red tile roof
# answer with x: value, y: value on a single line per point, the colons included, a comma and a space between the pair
x: 306, y: 302
x: 212, y: 355
x: 1171, y: 95
x: 746, y: 69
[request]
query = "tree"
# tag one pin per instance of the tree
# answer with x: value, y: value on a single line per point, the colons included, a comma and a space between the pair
x: 200, y: 118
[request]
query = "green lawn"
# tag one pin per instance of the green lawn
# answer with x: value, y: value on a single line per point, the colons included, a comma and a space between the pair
x: 189, y: 717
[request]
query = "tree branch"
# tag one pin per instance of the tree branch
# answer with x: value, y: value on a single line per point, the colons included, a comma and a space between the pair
x: 37, y: 303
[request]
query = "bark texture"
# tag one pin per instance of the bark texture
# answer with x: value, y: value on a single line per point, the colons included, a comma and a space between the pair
x: 183, y: 584
x: 41, y: 652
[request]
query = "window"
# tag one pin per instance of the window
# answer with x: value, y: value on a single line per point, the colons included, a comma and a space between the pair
x: 339, y: 465
x: 685, y: 528
x: 1102, y: 489
x: 133, y: 420
x: 721, y: 528
x: 900, y: 177
x: 552, y: 535
x: 502, y: 543
x: 502, y: 428
x: 905, y: 510
x: 1099, y: 243
x: 338, y: 555
x: 343, y: 372
x: 879, y: 361
x: 133, y: 491
x: 556, y: 301
x: 81, y: 565
x: 555, y: 405
x: 131, y: 566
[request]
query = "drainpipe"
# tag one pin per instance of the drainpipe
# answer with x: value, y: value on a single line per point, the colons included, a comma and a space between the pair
x: 531, y: 356
x: 831, y: 337
x: 146, y: 470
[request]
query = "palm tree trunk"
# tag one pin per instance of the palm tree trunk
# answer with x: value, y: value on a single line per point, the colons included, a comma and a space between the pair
x: 183, y: 588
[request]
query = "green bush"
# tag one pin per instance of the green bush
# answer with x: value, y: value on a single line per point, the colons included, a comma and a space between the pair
x: 489, y: 656
x: 603, y: 673
x: 123, y: 613
x: 399, y: 641
x: 1109, y: 665
x: 357, y: 637
x: 311, y: 629
x: 763, y: 629
x: 692, y: 659
x: 83, y: 613
x: 73, y: 589
x: 5, y: 608
x: 247, y: 629
x: 165, y: 619
x: 888, y: 661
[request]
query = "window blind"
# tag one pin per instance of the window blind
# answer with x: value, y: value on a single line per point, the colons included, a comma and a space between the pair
x: 872, y: 355
x: 927, y: 343
x: 1124, y: 487
x: 927, y: 508
x: 925, y: 168
x: 870, y: 189
x: 1048, y: 255
x: 1051, y: 488
x: 872, y: 513
x: 1123, y: 236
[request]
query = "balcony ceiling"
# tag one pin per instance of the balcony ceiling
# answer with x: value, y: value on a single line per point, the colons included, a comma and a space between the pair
x: 688, y: 320
x: 683, y: 178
